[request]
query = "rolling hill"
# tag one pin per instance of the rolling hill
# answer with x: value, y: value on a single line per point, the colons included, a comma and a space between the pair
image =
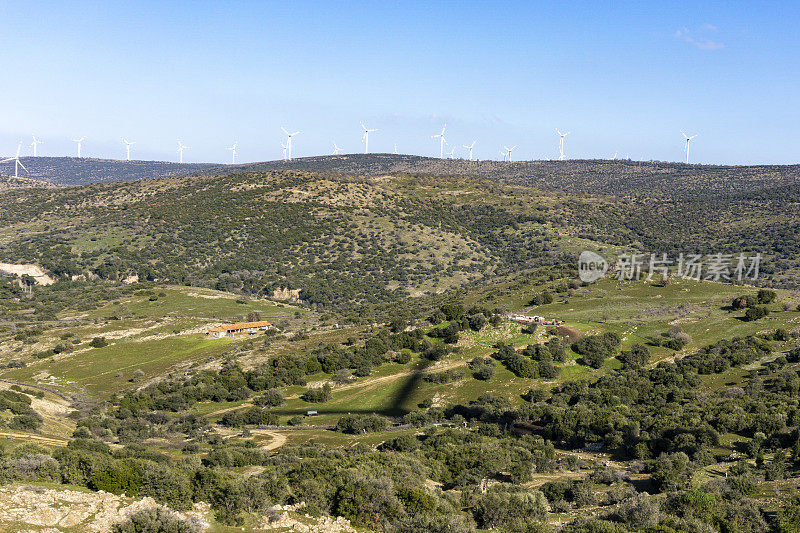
x: 576, y: 176
x: 80, y: 171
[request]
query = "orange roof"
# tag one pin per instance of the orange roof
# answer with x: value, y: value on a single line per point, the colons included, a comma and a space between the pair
x: 241, y: 325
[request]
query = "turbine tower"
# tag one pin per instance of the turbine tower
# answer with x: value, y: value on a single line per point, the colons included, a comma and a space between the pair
x: 285, y: 147
x: 509, y: 150
x: 450, y: 153
x: 17, y: 162
x: 288, y: 148
x: 233, y: 152
x: 395, y: 148
x: 336, y: 148
x: 79, y: 141
x: 365, y: 137
x: 442, y: 140
x: 686, y: 148
x: 34, y: 143
x: 561, y: 155
x: 504, y: 154
x: 181, y: 148
x: 470, y: 147
x: 128, y: 145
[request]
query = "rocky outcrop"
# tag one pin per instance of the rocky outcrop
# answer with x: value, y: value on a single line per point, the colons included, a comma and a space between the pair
x: 53, y: 510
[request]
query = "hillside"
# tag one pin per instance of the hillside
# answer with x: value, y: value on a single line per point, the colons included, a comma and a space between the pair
x: 80, y: 171
x: 343, y: 241
x: 576, y: 176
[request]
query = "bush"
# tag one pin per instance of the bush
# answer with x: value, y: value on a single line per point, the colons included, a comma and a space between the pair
x: 355, y: 424
x: 98, y: 342
x: 636, y: 357
x: 542, y: 299
x: 154, y: 520
x: 755, y: 313
x: 319, y: 395
x: 766, y: 296
x: 595, y: 348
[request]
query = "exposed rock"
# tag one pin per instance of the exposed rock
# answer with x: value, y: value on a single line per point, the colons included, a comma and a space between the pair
x: 59, y: 510
x: 286, y: 294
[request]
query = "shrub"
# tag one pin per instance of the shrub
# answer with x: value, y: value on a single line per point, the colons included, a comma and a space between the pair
x: 766, y: 296
x: 756, y: 313
x: 355, y: 424
x: 318, y: 395
x: 98, y: 342
x: 154, y: 520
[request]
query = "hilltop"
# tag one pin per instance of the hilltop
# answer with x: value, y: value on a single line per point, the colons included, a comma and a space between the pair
x: 577, y: 176
x: 83, y: 170
x: 654, y: 179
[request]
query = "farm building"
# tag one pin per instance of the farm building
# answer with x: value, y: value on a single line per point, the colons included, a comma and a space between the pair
x: 525, y: 319
x: 242, y: 328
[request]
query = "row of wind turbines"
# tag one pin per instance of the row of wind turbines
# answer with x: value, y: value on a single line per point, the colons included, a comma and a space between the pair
x: 287, y: 147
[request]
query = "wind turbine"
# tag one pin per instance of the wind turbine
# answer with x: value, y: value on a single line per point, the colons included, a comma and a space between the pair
x: 686, y: 148
x: 615, y: 156
x: 181, y: 148
x: 443, y: 141
x: 561, y: 155
x: 34, y: 143
x: 504, y: 154
x: 79, y: 141
x: 395, y: 148
x: 365, y: 137
x: 17, y: 162
x: 509, y: 150
x: 336, y: 148
x: 288, y: 148
x: 470, y: 147
x: 128, y: 145
x: 450, y: 153
x: 233, y: 151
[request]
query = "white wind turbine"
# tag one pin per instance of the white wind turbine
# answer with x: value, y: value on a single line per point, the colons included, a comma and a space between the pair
x: 509, y: 150
x: 365, y: 137
x: 79, y: 141
x: 451, y: 152
x: 561, y: 155
x: 17, y: 162
x: 615, y: 156
x: 442, y: 142
x: 336, y: 148
x: 288, y: 148
x: 395, y: 148
x: 470, y: 147
x: 233, y: 151
x: 180, y: 150
x: 128, y: 145
x: 34, y: 143
x: 686, y: 148
x: 504, y: 154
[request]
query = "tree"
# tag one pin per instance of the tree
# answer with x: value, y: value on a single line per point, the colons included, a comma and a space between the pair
x: 636, y: 357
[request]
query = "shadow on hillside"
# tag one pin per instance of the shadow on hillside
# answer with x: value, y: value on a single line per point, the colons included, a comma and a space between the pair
x: 398, y: 403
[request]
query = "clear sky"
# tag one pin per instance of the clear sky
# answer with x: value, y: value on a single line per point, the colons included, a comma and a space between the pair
x: 621, y: 76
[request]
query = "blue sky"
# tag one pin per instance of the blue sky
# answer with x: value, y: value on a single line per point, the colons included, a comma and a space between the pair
x: 623, y: 77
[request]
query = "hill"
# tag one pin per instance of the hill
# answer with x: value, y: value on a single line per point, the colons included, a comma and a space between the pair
x: 576, y: 176
x: 342, y: 241
x: 80, y: 171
